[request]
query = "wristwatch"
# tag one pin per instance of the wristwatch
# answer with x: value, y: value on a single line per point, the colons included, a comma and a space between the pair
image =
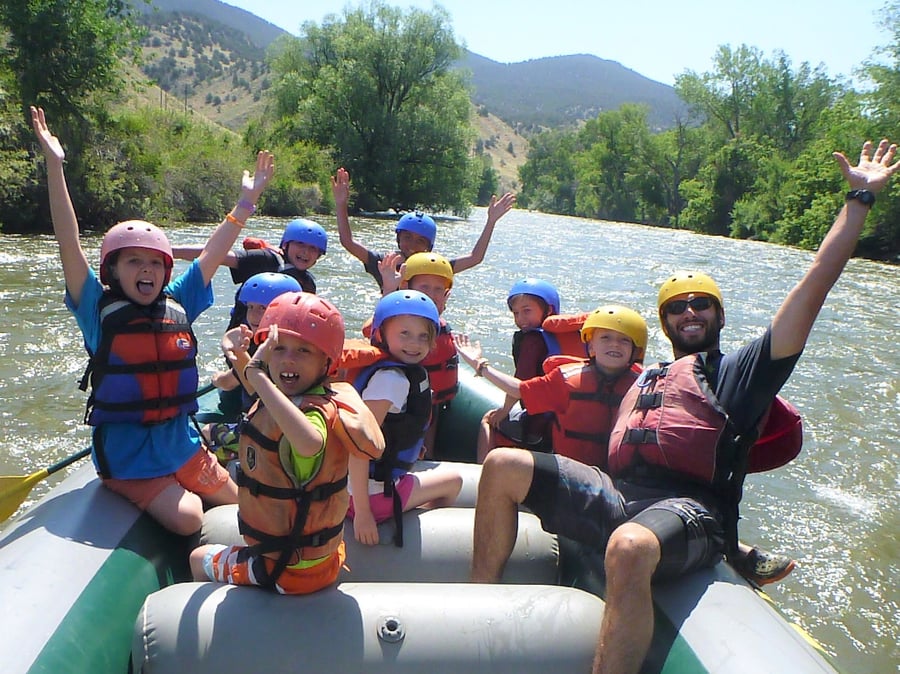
x: 865, y: 197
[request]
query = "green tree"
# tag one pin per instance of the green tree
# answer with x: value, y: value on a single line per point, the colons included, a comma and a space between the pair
x: 548, y: 176
x: 63, y: 53
x: 377, y: 86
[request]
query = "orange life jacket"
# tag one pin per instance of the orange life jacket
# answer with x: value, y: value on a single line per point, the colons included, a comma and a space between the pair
x: 563, y: 334
x: 281, y: 518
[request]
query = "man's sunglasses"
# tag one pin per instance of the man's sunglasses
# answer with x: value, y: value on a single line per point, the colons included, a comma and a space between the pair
x: 678, y: 307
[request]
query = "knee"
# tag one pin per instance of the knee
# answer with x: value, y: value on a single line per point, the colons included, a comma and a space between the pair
x: 507, y: 470
x: 633, y: 550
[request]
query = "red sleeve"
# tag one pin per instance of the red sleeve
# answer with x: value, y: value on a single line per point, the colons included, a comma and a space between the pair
x: 547, y: 393
x: 532, y: 352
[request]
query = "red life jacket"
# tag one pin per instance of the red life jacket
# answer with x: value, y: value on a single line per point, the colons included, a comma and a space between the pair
x: 145, y: 368
x: 442, y: 364
x: 675, y: 422
x: 582, y: 431
x: 281, y: 518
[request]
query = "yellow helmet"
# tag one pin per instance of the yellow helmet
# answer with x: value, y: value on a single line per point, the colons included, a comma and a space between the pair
x: 682, y: 282
x: 621, y: 319
x: 428, y: 263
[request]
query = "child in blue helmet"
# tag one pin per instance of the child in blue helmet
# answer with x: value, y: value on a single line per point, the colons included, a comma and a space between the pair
x: 302, y: 244
x: 255, y: 295
x: 416, y: 232
x: 397, y: 390
x: 531, y: 301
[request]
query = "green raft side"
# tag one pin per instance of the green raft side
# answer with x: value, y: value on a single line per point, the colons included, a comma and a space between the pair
x: 95, y: 634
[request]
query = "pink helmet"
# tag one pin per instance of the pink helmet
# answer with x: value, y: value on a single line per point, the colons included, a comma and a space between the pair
x: 135, y: 234
x: 308, y: 317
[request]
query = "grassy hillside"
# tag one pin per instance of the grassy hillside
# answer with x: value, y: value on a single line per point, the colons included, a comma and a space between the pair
x: 198, y: 64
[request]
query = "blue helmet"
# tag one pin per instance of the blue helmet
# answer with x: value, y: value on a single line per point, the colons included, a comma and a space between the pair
x: 405, y: 303
x: 532, y: 286
x: 305, y: 231
x: 418, y: 223
x: 265, y: 287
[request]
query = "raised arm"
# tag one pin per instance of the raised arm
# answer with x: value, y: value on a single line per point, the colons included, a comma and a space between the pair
x: 62, y: 213
x: 222, y: 239
x: 340, y: 188
x: 794, y: 320
x: 470, y: 352
x: 496, y: 210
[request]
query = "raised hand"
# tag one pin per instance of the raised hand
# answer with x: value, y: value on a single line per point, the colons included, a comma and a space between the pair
x: 340, y: 187
x: 470, y: 351
x: 874, y: 170
x: 50, y: 144
x: 500, y: 207
x: 252, y: 186
x: 391, y: 276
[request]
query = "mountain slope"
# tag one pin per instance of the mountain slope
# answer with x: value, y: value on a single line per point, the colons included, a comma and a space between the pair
x: 540, y: 93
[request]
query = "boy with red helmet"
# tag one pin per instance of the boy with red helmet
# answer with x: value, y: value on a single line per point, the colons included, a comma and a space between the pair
x: 294, y: 452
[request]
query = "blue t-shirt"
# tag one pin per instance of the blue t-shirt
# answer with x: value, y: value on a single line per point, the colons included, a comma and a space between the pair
x: 137, y: 450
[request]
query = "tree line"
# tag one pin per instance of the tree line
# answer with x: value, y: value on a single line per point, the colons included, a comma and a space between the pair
x: 373, y: 89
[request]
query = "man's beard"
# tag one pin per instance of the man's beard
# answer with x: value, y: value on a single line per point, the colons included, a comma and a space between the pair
x: 710, y: 340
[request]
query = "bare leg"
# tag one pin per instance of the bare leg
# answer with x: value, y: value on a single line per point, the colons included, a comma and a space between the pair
x: 196, y: 559
x: 227, y: 493
x: 505, y: 480
x: 632, y: 555
x: 435, y: 488
x: 177, y: 510
x: 485, y: 438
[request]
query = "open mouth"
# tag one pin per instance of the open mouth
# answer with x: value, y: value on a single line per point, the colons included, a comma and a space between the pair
x: 146, y: 287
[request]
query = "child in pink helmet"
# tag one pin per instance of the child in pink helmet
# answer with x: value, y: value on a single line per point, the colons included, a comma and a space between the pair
x: 144, y: 445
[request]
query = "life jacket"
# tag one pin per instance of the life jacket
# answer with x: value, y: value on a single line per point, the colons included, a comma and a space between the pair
x: 281, y: 518
x: 442, y: 364
x: 582, y: 431
x: 673, y: 428
x: 404, y: 433
x: 145, y: 369
x: 562, y: 332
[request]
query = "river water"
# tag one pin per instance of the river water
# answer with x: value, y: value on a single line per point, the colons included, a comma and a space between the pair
x: 834, y: 509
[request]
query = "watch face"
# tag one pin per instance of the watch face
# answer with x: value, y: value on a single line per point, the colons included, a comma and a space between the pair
x: 865, y: 197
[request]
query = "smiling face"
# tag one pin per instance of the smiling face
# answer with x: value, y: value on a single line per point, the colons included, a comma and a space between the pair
x: 410, y: 243
x: 141, y: 273
x: 693, y: 330
x: 612, y: 351
x: 408, y: 338
x: 295, y: 365
x: 528, y: 311
x: 302, y: 255
x: 432, y: 285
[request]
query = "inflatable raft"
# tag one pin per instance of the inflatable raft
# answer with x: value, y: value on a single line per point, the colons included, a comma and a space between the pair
x: 91, y: 585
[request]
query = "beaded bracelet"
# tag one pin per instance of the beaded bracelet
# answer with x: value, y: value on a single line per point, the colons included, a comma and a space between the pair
x: 234, y: 221
x: 244, y: 203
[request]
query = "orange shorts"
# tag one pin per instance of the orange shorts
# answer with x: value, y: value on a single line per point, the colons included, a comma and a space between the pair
x: 221, y: 564
x: 202, y: 475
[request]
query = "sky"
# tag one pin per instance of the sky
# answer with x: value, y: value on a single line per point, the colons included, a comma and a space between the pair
x: 656, y: 38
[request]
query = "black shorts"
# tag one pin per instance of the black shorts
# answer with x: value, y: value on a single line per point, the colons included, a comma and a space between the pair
x: 585, y: 504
